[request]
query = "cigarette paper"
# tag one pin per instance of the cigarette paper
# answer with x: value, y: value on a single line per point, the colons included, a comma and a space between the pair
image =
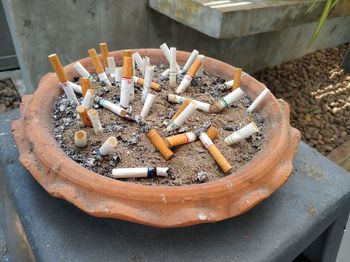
x: 76, y: 88
x: 149, y: 71
x: 127, y: 82
x: 258, y: 100
x: 104, y: 78
x: 181, y: 108
x: 111, y: 107
x: 215, y: 153
x: 81, y: 70
x: 118, y: 75
x: 111, y: 66
x: 178, y: 121
x: 200, y: 70
x: 139, y: 62
x: 95, y: 61
x: 140, y: 172
x: 70, y: 93
x: 140, y: 81
x: 160, y: 144
x: 108, y: 146
x: 85, y: 85
x: 181, y: 139
x: 80, y: 138
x: 146, y: 61
x: 237, y: 78
x: 227, y: 100
x: 82, y: 111
x: 95, y: 120
x: 147, y: 105
x: 173, y: 69
x: 57, y: 66
x: 88, y: 100
x: 186, y: 81
x: 242, y: 133
x: 104, y: 53
x: 166, y: 51
x: 165, y: 73
x: 180, y: 99
x: 190, y: 61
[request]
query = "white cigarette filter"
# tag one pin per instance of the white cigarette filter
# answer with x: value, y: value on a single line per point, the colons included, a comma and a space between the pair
x: 241, y: 134
x: 126, y: 86
x: 200, y: 70
x: 80, y: 138
x: 180, y: 99
x: 140, y: 172
x: 111, y: 107
x: 166, y: 73
x: 173, y: 69
x: 190, y: 61
x: 178, y: 121
x: 111, y: 66
x: 147, y: 105
x: 108, y: 146
x: 81, y: 70
x: 186, y: 81
x: 95, y: 120
x: 258, y: 100
x: 76, y: 88
x: 147, y: 82
x: 88, y: 100
x: 231, y: 97
x: 104, y: 78
x: 166, y: 51
x: 139, y: 62
x: 118, y: 75
x: 69, y: 93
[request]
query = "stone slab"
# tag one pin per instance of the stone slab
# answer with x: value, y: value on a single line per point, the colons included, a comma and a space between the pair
x: 341, y: 155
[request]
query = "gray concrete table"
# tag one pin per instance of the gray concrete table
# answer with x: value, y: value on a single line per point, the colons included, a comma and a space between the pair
x: 308, y: 214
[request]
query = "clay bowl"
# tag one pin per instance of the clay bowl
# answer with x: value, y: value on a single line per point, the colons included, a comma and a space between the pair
x: 160, y: 206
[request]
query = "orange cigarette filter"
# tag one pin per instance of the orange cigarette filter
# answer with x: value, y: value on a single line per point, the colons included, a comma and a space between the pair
x: 57, y: 66
x: 85, y: 85
x: 154, y: 85
x: 127, y: 53
x: 212, y: 132
x: 95, y: 61
x: 104, y: 53
x: 194, y: 68
x: 127, y: 67
x: 181, y: 108
x: 237, y: 78
x: 82, y: 111
x: 160, y: 144
x: 219, y: 158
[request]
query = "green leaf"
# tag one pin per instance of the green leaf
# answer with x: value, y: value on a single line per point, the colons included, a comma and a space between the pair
x: 312, y: 6
x: 327, y: 9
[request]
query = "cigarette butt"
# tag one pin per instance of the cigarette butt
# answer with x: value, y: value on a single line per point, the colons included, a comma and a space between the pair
x: 147, y: 106
x: 201, y: 68
x: 215, y: 153
x: 82, y: 111
x: 89, y: 98
x: 80, y: 138
x: 181, y: 108
x: 95, y: 120
x: 160, y: 144
x: 194, y: 68
x: 140, y: 172
x: 180, y: 139
x: 85, y: 85
x: 108, y: 146
x: 95, y: 61
x: 104, y: 53
x: 81, y: 70
x: 237, y: 78
x: 111, y: 107
x: 212, y: 133
x: 190, y: 60
x: 140, y: 81
x: 127, y: 53
x: 181, y: 118
x: 258, y: 100
x: 127, y: 67
x: 242, y: 133
x: 226, y: 101
x: 57, y: 66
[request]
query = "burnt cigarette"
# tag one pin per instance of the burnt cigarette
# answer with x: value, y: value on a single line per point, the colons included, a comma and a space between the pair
x: 82, y: 111
x: 226, y: 101
x: 108, y: 146
x: 85, y: 85
x: 258, y: 100
x: 181, y: 139
x: 82, y: 70
x: 242, y: 133
x: 180, y: 99
x: 98, y: 67
x: 165, y: 73
x: 57, y: 66
x: 237, y: 78
x: 190, y: 61
x: 229, y: 84
x: 186, y: 81
x: 140, y: 172
x: 140, y: 81
x: 127, y: 82
x: 215, y: 153
x: 104, y: 54
x: 111, y: 107
x: 95, y: 120
x: 172, y: 67
x: 149, y: 71
x: 181, y: 108
x: 180, y: 119
x: 166, y: 51
x: 201, y: 68
x: 212, y: 133
x: 160, y: 144
x: 111, y: 66
x: 88, y: 100
x: 80, y: 138
x: 139, y: 62
x: 68, y: 90
x: 147, y: 105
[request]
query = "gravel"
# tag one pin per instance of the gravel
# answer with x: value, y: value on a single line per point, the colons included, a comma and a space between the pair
x: 9, y: 98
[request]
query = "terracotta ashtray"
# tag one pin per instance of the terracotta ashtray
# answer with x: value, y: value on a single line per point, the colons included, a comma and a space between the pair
x: 160, y: 206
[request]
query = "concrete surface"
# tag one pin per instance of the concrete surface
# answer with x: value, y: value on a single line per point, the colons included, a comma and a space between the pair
x: 236, y: 18
x: 71, y: 27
